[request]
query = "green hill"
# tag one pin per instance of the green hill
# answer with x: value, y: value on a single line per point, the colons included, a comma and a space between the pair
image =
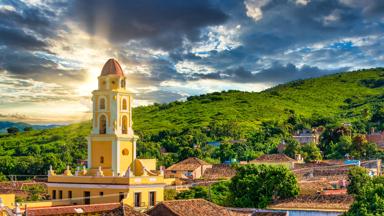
x: 344, y: 95
x: 355, y: 97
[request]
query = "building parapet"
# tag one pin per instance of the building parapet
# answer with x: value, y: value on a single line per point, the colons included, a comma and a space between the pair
x: 119, y: 180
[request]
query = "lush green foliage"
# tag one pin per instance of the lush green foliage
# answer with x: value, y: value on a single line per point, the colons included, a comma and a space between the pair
x: 257, y: 185
x: 358, y: 177
x: 369, y: 193
x: 170, y: 194
x: 32, y: 152
x: 194, y: 192
x: 247, y: 124
x: 36, y: 192
x: 311, y: 153
x: 218, y: 193
x: 253, y: 186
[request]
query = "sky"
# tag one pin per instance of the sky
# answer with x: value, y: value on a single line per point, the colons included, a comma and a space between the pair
x: 52, y: 51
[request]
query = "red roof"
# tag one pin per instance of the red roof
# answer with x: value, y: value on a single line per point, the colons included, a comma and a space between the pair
x: 219, y: 171
x: 112, y: 67
x: 192, y: 207
x: 191, y: 163
x: 76, y: 209
x: 315, y: 201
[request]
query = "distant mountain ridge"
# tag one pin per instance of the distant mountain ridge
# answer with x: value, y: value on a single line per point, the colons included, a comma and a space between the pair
x: 21, y: 125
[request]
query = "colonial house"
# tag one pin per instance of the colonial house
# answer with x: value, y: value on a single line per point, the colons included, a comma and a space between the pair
x: 190, y: 168
x: 307, y: 136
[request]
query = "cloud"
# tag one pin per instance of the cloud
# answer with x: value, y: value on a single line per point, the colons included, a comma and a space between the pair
x: 16, y: 90
x: 159, y: 96
x: 161, y: 23
x: 26, y: 64
x: 51, y: 52
x: 24, y: 27
x: 253, y: 8
x: 277, y: 73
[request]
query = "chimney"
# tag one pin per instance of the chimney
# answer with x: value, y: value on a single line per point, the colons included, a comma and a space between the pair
x: 372, y: 130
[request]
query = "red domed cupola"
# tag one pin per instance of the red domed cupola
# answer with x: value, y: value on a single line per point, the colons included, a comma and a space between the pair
x: 112, y: 67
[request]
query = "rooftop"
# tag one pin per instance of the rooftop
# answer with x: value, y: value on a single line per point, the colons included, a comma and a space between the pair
x: 326, y: 202
x: 106, y: 209
x: 192, y: 207
x: 273, y: 158
x: 112, y: 67
x: 191, y: 163
x: 219, y: 171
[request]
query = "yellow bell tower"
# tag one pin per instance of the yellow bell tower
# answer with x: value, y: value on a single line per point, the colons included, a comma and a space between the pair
x: 112, y: 143
x: 114, y: 173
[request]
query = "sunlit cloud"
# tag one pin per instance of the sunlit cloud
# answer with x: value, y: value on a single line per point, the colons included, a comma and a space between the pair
x: 51, y: 52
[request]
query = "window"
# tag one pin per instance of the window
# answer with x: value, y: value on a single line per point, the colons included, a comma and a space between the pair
x: 87, y: 197
x: 101, y: 194
x: 137, y: 199
x: 69, y: 194
x: 124, y: 126
x: 54, y: 194
x: 102, y: 104
x: 60, y: 194
x: 103, y: 125
x: 122, y: 83
x: 121, y: 196
x: 152, y: 198
x: 101, y: 159
x: 124, y: 104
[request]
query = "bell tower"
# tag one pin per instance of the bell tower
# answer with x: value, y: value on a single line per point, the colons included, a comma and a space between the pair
x: 112, y: 143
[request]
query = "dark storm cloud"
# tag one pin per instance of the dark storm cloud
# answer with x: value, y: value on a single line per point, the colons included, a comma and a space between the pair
x: 18, y: 38
x: 285, y: 24
x: 24, y: 26
x: 24, y: 64
x: 277, y: 73
x: 285, y: 35
x: 163, y: 23
x: 25, y: 30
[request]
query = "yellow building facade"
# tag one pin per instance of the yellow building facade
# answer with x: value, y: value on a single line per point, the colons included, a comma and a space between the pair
x: 114, y: 174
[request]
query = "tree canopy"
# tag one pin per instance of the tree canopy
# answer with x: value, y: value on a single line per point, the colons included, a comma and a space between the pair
x: 257, y: 185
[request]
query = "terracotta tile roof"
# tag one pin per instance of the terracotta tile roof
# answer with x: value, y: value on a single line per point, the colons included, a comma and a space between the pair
x: 339, y: 202
x: 191, y: 163
x: 273, y: 158
x: 104, y: 209
x: 219, y: 171
x: 112, y: 67
x: 124, y: 210
x: 192, y: 207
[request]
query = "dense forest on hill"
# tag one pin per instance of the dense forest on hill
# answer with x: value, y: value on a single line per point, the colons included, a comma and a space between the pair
x: 248, y: 124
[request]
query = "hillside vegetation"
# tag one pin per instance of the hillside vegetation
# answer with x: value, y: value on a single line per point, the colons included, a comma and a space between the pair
x: 343, y: 95
x: 260, y: 120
